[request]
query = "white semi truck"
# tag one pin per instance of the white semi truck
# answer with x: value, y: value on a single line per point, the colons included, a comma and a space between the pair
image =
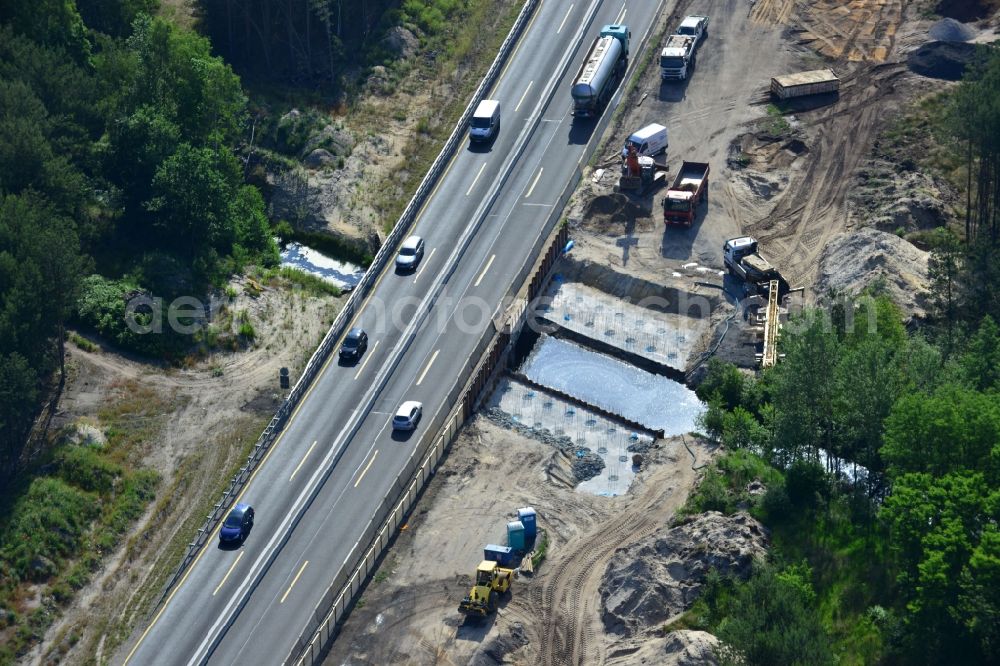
x: 677, y: 57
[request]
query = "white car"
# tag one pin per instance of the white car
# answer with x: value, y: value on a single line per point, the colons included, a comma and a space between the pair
x: 407, y: 415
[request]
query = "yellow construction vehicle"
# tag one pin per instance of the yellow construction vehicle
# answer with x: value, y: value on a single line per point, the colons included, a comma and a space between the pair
x: 492, y: 580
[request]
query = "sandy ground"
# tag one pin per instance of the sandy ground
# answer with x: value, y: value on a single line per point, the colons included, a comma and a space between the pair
x: 214, y: 410
x: 792, y: 193
x: 408, y: 613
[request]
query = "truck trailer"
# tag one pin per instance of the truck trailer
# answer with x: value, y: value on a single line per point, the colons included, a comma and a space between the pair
x: 677, y: 57
x: 805, y: 83
x: 601, y: 71
x: 689, y: 189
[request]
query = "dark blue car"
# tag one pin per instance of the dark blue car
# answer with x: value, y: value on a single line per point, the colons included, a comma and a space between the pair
x: 238, y: 524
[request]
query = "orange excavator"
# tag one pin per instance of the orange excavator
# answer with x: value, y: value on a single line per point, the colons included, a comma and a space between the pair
x: 639, y: 173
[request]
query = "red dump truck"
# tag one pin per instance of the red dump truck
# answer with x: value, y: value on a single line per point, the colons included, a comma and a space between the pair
x: 690, y: 188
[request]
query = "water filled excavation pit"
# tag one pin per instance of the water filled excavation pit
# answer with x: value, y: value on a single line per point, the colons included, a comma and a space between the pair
x: 594, y: 406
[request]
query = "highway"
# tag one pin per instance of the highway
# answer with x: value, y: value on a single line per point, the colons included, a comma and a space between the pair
x: 338, y: 456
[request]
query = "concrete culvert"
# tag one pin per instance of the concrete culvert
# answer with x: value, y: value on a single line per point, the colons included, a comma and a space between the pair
x: 950, y: 30
x: 941, y: 60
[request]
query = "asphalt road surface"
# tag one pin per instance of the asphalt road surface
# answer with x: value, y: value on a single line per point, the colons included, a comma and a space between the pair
x: 339, y: 456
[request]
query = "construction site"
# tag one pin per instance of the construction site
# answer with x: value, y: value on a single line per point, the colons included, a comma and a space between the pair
x: 549, y: 534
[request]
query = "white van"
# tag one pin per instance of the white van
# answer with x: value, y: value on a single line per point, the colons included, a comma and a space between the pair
x: 650, y: 140
x: 485, y: 121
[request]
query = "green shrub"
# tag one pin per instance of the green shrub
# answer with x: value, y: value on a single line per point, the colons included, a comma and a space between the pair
x: 807, y: 484
x: 102, y: 307
x: 82, y: 342
x: 86, y: 469
x: 46, y: 527
x: 247, y: 331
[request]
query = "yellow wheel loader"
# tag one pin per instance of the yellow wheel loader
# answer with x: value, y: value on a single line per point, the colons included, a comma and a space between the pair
x: 492, y: 580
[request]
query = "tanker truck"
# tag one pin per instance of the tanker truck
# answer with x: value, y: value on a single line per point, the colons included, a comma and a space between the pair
x: 600, y: 73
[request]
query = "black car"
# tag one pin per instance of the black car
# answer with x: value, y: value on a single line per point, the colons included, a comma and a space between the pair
x: 238, y: 524
x: 354, y: 345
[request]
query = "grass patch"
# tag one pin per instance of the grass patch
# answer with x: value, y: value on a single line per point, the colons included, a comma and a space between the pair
x: 82, y: 342
x: 915, y: 141
x: 775, y: 123
x: 64, y: 517
x: 308, y: 282
x: 724, y: 485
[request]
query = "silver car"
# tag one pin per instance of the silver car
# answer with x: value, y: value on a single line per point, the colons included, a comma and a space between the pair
x: 410, y: 253
x: 407, y: 415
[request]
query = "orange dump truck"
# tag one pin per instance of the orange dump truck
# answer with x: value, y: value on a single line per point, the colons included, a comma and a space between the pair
x: 690, y: 188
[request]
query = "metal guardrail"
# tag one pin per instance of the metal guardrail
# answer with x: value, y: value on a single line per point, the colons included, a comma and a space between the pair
x: 395, y: 507
x: 360, y: 292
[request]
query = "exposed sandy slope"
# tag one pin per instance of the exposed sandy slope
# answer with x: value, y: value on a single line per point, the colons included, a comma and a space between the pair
x: 215, y: 409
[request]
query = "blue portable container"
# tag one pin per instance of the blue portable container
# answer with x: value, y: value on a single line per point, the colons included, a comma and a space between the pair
x: 515, y: 535
x: 528, y: 519
x: 502, y: 555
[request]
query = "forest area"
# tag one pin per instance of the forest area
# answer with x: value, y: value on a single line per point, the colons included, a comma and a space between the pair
x: 126, y: 138
x: 880, y: 450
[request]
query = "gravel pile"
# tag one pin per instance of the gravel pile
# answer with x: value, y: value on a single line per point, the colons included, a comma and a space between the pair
x: 950, y: 30
x: 655, y: 579
x: 586, y: 464
x: 941, y: 60
x: 497, y: 649
x: 684, y: 647
x: 544, y: 435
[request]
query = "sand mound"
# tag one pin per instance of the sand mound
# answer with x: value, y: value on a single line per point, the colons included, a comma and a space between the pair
x: 855, y: 260
x: 892, y: 196
x: 678, y: 648
x: 655, y: 579
x: 950, y: 30
x: 609, y: 213
x: 941, y: 60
